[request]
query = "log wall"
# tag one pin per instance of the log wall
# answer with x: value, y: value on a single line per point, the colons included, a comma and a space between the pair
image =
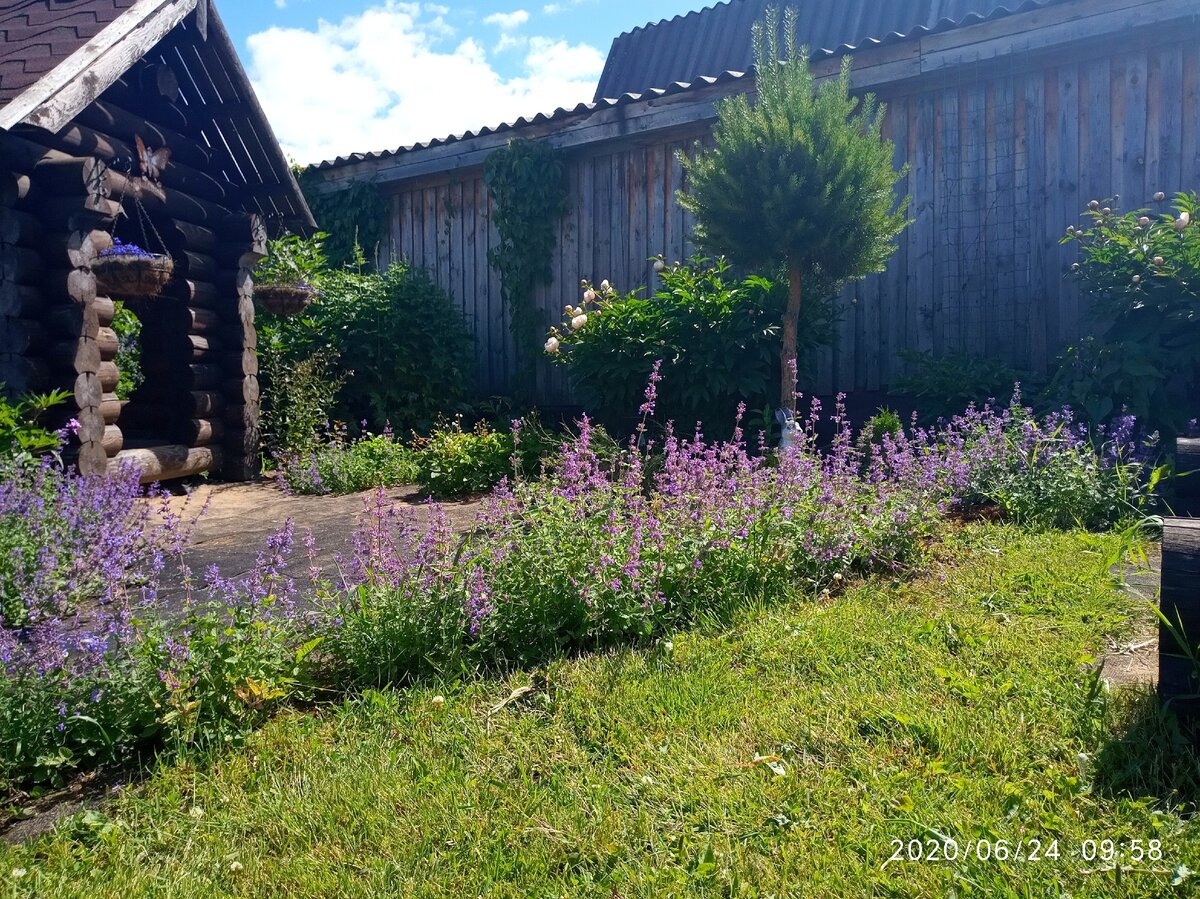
x: 1009, y: 128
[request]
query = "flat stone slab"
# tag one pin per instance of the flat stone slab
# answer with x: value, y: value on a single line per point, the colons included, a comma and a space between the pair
x: 1135, y: 661
x: 238, y: 519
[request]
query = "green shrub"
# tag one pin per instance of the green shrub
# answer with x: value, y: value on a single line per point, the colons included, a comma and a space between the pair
x: 20, y: 433
x: 399, y: 341
x: 299, y: 398
x: 128, y: 328
x: 452, y: 462
x: 718, y: 337
x: 945, y: 385
x: 1142, y: 274
x: 345, y: 465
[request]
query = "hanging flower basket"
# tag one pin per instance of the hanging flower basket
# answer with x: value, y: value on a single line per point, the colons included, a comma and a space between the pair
x: 127, y: 271
x: 284, y: 299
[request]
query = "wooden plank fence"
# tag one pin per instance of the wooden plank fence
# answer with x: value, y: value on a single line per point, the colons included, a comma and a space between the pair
x: 1004, y: 150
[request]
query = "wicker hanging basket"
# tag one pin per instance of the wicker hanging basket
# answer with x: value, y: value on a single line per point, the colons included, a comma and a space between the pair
x: 132, y: 277
x: 284, y: 299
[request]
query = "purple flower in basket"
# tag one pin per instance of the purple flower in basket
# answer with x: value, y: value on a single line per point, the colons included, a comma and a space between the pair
x: 126, y: 249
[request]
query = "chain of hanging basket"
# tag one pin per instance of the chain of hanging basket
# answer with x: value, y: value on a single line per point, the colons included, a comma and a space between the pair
x: 129, y: 271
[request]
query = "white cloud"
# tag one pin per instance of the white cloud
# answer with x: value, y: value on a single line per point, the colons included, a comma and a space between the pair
x: 396, y: 74
x: 508, y: 23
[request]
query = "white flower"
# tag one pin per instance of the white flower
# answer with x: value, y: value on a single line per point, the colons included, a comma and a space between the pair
x: 659, y: 265
x: 578, y: 322
x: 552, y: 345
x: 1182, y: 221
x: 18, y: 873
x: 235, y: 866
x: 439, y: 701
x: 647, y: 779
x: 1158, y: 260
x: 668, y: 646
x: 1137, y: 279
x: 196, y: 812
x: 605, y: 286
x: 589, y: 296
x: 1159, y: 197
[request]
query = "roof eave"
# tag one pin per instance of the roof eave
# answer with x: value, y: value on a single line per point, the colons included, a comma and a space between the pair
x: 57, y: 97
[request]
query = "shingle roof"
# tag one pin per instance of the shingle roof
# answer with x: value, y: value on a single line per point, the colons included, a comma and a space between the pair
x: 36, y: 35
x: 717, y: 39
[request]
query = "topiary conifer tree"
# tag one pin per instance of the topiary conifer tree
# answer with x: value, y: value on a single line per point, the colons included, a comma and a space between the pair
x: 797, y: 176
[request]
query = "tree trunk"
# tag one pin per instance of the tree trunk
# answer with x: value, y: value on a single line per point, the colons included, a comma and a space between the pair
x: 791, y: 321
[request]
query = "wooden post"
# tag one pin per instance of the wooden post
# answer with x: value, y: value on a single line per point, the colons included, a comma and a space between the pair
x: 1178, y: 674
x: 1187, y: 468
x: 241, y: 456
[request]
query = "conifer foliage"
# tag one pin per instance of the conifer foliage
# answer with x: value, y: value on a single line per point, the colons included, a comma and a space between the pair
x: 799, y: 176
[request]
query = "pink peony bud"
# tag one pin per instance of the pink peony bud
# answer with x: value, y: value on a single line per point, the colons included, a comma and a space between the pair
x: 1158, y: 260
x: 1182, y: 221
x: 1094, y: 205
x: 1159, y: 197
x: 552, y: 345
x: 589, y: 296
x: 1144, y: 221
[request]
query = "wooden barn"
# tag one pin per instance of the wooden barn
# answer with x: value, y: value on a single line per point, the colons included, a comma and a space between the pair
x: 92, y: 95
x: 1012, y: 115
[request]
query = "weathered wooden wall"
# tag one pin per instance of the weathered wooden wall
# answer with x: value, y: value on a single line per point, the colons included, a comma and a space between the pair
x: 1005, y: 149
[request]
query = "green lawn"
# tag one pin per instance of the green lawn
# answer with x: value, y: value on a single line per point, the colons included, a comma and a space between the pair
x: 959, y: 704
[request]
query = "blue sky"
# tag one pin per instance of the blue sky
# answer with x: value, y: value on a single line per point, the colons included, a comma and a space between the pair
x: 339, y: 76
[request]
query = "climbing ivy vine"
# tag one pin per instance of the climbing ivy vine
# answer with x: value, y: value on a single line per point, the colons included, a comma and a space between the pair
x: 353, y: 216
x: 527, y: 184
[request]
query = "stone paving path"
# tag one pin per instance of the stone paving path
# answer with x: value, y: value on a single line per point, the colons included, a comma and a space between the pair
x: 240, y: 517
x: 1135, y: 660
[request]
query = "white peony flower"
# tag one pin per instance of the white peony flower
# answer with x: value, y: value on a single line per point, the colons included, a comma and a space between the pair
x: 605, y: 286
x: 578, y: 322
x: 552, y: 345
x: 589, y: 296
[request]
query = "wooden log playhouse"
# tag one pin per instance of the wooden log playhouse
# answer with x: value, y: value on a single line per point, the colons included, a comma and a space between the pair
x: 163, y: 74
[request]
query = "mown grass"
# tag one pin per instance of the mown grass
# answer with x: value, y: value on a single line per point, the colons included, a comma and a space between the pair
x: 961, y: 703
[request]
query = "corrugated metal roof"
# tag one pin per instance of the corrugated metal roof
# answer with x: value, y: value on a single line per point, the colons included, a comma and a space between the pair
x: 722, y: 42
x: 579, y: 110
x: 717, y: 38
